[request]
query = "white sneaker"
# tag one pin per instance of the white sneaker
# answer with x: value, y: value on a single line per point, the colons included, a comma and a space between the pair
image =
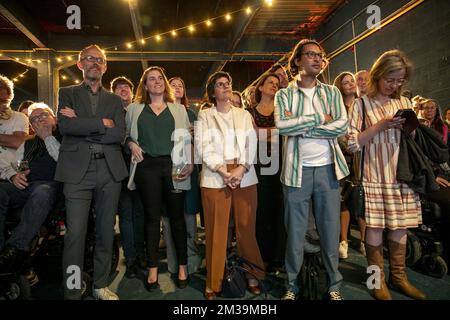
x: 335, y: 295
x: 289, y: 295
x: 343, y: 249
x: 362, y: 249
x: 104, y: 294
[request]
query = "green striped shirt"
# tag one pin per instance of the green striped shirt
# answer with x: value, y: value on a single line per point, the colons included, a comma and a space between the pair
x: 294, y: 125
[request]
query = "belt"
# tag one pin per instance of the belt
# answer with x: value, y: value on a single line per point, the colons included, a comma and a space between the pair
x: 97, y: 155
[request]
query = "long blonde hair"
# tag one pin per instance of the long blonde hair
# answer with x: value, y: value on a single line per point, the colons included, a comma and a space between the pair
x: 388, y: 62
x: 142, y: 95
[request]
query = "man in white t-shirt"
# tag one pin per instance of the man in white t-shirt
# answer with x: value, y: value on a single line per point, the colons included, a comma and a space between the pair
x: 13, y: 126
x: 310, y: 116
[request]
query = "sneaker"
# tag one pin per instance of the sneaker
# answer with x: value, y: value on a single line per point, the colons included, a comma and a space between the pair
x: 343, y: 249
x: 362, y: 249
x: 335, y: 295
x: 104, y: 294
x: 289, y: 295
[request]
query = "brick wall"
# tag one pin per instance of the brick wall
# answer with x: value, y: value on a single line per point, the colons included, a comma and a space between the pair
x: 423, y: 34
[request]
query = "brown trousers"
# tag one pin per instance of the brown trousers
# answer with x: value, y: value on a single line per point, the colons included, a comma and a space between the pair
x: 217, y: 205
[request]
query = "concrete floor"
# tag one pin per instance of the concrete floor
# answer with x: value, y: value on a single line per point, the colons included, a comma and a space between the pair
x: 353, y: 270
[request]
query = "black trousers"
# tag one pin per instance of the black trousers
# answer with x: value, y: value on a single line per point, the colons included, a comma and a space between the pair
x: 270, y: 231
x: 153, y: 180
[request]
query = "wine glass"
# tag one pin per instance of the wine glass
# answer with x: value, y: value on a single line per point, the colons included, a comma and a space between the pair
x: 20, y: 166
x: 176, y: 171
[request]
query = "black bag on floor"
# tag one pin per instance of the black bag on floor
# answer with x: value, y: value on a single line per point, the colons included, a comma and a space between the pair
x: 313, y: 277
x: 234, y: 282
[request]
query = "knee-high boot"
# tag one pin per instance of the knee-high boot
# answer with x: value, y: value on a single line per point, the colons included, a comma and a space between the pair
x: 397, y: 268
x: 375, y: 257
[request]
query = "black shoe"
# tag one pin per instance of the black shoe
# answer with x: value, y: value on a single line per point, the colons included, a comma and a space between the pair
x: 150, y: 286
x: 132, y: 270
x: 11, y: 259
x: 183, y: 283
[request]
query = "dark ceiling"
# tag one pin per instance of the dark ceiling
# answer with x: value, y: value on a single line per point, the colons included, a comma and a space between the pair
x: 251, y: 42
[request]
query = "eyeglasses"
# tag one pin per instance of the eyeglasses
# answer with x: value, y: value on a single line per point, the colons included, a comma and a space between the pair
x: 222, y: 85
x: 391, y: 81
x: 44, y: 115
x: 99, y: 60
x: 312, y: 55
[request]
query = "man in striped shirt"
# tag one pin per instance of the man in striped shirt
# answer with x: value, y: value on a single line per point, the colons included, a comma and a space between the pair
x: 311, y: 115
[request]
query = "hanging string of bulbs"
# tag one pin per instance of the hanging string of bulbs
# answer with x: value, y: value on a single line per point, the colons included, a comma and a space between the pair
x: 191, y: 28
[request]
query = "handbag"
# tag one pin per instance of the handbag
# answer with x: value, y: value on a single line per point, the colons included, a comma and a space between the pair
x: 353, y: 192
x: 234, y: 282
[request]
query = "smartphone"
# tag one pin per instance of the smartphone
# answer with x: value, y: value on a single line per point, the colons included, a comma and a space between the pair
x: 411, y: 121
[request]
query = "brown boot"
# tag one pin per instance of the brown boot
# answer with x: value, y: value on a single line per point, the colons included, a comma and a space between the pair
x: 397, y: 268
x: 375, y: 257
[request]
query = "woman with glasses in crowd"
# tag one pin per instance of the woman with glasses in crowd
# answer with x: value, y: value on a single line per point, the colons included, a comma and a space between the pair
x: 389, y: 204
x: 226, y: 143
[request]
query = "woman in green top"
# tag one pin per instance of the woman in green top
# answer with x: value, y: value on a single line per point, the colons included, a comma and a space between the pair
x: 154, y: 122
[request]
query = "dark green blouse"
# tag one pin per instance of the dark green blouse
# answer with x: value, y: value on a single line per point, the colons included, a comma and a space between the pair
x: 155, y: 132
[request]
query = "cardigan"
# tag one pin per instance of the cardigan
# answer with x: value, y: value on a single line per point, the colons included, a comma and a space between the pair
x: 181, y: 152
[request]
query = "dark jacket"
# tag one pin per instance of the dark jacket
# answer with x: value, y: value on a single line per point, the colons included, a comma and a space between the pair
x: 81, y: 132
x: 414, y: 157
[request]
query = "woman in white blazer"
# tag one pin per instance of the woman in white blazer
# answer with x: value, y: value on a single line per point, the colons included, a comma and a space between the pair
x: 225, y: 142
x: 158, y: 136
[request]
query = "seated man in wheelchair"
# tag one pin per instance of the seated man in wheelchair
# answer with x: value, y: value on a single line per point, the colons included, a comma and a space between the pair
x: 29, y: 184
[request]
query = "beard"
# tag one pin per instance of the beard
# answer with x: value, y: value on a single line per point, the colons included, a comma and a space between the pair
x: 93, y: 74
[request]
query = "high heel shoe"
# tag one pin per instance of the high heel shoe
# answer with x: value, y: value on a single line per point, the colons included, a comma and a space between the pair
x: 152, y: 285
x: 183, y: 283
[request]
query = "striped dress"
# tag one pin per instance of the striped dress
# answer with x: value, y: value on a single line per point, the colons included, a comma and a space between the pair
x: 388, y: 203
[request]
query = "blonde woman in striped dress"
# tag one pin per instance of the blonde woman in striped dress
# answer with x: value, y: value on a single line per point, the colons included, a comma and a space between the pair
x: 388, y: 203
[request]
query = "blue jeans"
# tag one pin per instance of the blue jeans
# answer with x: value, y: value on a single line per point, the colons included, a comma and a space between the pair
x: 37, y: 200
x: 131, y: 224
x: 320, y: 185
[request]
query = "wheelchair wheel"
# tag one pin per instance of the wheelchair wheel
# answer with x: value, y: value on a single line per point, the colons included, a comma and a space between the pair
x: 434, y: 266
x: 413, y: 249
x: 19, y: 289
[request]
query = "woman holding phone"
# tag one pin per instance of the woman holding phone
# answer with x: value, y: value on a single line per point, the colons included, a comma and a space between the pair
x: 389, y: 204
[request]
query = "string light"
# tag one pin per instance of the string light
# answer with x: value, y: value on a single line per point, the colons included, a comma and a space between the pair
x: 190, y: 28
x: 269, y: 2
x: 159, y: 37
x: 22, y: 75
x: 77, y: 81
x: 64, y: 77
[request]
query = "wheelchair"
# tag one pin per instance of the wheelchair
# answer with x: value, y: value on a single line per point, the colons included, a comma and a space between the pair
x: 424, y: 246
x: 45, y: 256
